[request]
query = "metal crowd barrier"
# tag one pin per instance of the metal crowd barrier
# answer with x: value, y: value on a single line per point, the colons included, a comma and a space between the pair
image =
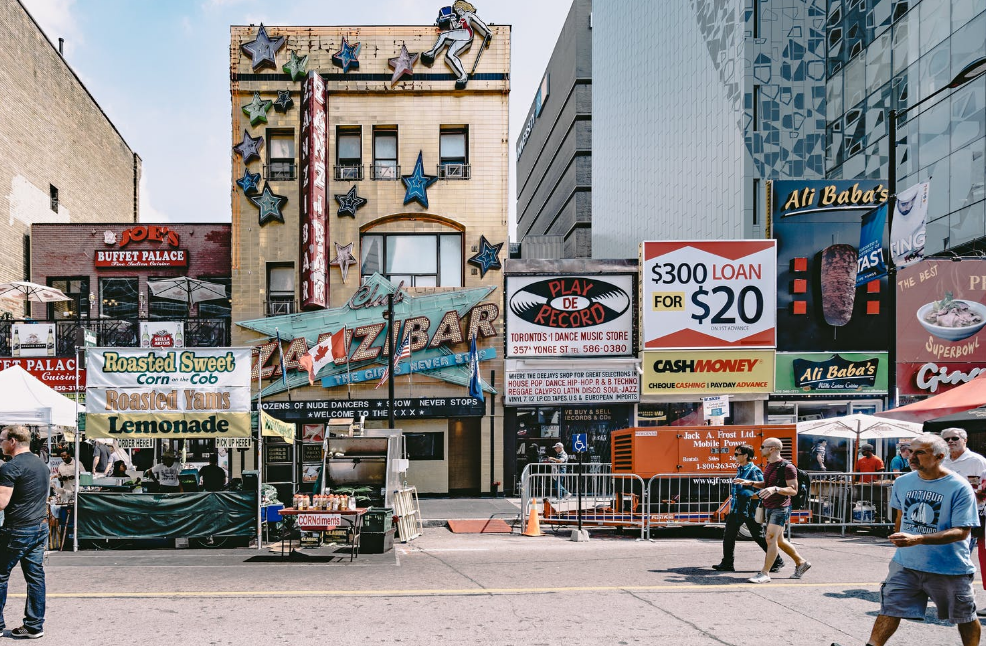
x: 850, y: 499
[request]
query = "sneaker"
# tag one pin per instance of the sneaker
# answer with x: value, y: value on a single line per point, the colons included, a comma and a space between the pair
x: 777, y: 566
x: 800, y: 570
x: 26, y: 633
x: 981, y: 612
x: 723, y: 567
x: 759, y: 578
x: 567, y: 496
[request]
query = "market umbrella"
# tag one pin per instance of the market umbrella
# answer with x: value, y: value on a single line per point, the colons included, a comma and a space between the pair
x: 190, y: 290
x: 859, y: 427
x: 961, y: 398
x: 22, y: 291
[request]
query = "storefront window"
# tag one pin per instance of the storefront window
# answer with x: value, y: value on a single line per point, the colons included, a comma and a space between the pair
x: 420, y: 260
x: 118, y: 298
x: 76, y: 288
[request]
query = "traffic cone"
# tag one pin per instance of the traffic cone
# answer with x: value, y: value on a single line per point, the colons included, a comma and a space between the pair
x: 533, y: 524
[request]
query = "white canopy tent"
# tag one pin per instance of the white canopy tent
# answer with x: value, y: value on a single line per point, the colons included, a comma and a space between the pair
x: 24, y: 399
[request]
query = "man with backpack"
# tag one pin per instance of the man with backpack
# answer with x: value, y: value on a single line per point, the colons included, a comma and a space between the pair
x: 780, y: 483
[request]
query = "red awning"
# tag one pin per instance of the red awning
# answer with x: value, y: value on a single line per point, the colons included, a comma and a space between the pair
x: 956, y: 400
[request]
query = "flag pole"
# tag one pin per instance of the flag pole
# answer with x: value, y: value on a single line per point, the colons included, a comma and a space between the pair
x: 390, y: 360
x: 260, y: 454
x: 349, y: 376
x: 284, y: 371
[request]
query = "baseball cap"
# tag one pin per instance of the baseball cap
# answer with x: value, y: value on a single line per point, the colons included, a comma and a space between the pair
x: 557, y: 444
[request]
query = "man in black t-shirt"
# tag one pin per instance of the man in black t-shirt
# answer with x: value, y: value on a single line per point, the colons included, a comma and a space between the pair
x: 24, y: 483
x: 211, y: 476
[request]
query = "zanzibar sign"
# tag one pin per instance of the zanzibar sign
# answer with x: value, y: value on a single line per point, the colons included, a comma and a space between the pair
x: 313, y: 204
x: 437, y: 324
x: 408, y: 407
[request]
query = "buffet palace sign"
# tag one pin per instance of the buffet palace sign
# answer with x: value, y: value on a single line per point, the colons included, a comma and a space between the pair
x: 164, y: 254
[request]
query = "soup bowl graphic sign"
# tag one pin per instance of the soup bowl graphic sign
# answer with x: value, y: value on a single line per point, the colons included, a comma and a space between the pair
x: 559, y: 316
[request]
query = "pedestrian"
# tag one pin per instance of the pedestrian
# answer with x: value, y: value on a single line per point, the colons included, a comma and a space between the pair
x: 817, y: 454
x: 869, y: 463
x: 102, y: 463
x: 561, y: 459
x: 212, y: 476
x: 960, y: 459
x: 935, y: 511
x: 742, y: 511
x: 24, y: 536
x: 780, y: 482
x: 901, y: 461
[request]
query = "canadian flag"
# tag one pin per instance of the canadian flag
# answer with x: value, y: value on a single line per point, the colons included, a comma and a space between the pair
x: 325, y: 352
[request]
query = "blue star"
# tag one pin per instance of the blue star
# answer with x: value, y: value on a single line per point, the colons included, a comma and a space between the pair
x: 349, y: 202
x: 249, y: 181
x: 249, y: 147
x: 269, y: 205
x: 263, y: 50
x: 346, y: 56
x: 488, y: 257
x: 417, y: 184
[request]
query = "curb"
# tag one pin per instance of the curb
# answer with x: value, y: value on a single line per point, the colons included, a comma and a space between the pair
x: 443, y: 522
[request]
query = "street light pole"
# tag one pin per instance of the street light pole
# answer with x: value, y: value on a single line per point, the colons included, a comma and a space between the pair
x: 969, y: 73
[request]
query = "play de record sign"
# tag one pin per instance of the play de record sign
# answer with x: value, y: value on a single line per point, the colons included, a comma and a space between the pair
x: 709, y: 294
x: 567, y: 315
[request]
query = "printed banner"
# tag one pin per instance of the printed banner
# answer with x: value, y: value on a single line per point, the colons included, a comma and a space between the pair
x: 929, y: 378
x: 708, y: 372
x: 196, y: 367
x: 162, y: 334
x: 828, y: 373
x: 563, y: 316
x: 168, y: 425
x: 272, y: 427
x: 909, y: 225
x: 167, y: 400
x: 708, y: 294
x: 58, y: 373
x: 32, y: 339
x: 869, y: 264
x: 607, y: 385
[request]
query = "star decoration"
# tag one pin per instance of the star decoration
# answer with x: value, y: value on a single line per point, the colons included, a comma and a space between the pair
x: 297, y: 67
x: 417, y: 184
x: 344, y: 258
x: 488, y: 257
x: 249, y: 181
x: 403, y: 65
x: 263, y: 50
x: 249, y: 147
x: 269, y: 204
x: 349, y: 202
x: 284, y: 101
x: 346, y: 56
x: 257, y: 109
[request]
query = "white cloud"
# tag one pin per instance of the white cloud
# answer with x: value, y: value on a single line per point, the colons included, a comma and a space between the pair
x: 57, y: 20
x: 147, y: 211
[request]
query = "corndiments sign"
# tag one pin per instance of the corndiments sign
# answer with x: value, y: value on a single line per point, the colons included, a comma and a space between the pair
x: 313, y: 205
x: 562, y: 316
x: 135, y: 392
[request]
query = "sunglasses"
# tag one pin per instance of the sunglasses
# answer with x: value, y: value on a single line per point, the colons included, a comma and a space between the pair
x: 952, y: 439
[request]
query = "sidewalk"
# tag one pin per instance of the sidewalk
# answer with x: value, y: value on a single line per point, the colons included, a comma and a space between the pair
x: 435, y: 512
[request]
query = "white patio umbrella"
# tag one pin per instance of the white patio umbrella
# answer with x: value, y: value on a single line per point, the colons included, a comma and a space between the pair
x: 190, y: 290
x: 860, y: 427
x: 22, y: 291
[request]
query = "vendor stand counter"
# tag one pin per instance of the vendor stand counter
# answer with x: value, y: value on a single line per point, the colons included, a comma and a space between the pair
x: 221, y: 514
x: 315, y: 520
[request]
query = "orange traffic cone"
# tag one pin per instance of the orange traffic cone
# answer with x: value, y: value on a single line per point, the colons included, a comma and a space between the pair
x: 533, y: 524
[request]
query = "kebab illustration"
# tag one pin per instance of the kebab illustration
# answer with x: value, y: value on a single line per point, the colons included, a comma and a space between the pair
x: 837, y: 277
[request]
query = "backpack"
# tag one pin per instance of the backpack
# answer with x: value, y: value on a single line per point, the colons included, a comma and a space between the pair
x: 800, y: 499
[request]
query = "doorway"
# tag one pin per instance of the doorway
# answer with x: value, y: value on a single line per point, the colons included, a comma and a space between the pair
x: 464, y: 455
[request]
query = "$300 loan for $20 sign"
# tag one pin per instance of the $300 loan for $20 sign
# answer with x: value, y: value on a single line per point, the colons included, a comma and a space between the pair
x: 709, y: 294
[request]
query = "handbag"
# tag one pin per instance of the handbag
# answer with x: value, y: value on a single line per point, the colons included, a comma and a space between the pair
x: 978, y: 532
x: 759, y: 516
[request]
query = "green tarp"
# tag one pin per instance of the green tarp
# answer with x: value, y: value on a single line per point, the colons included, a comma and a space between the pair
x: 167, y: 515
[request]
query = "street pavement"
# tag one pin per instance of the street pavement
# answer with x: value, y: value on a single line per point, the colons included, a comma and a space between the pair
x: 444, y: 588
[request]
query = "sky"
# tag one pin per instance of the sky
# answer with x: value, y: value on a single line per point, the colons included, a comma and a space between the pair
x: 158, y: 68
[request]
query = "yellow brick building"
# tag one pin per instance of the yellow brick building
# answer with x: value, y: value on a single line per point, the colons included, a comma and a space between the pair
x: 377, y: 124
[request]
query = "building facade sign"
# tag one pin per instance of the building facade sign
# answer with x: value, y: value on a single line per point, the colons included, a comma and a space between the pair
x: 162, y: 334
x: 572, y: 386
x: 32, y: 339
x: 141, y: 258
x: 708, y: 294
x: 930, y: 378
x: 404, y: 408
x: 708, y: 372
x: 825, y: 373
x: 570, y: 316
x: 58, y: 373
x: 314, y: 227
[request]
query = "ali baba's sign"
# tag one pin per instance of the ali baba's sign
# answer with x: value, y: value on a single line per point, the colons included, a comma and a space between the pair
x: 826, y: 373
x: 439, y: 325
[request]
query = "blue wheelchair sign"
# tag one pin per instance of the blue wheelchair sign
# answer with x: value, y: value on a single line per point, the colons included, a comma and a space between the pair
x: 580, y: 442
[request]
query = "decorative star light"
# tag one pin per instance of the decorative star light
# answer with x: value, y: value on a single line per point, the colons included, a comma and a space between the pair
x: 403, y: 65
x: 349, y: 202
x: 249, y: 147
x: 297, y: 67
x: 488, y: 257
x: 263, y: 50
x: 344, y: 258
x: 346, y: 56
x: 284, y: 101
x: 249, y: 181
x: 269, y: 204
x: 417, y: 184
x: 257, y: 109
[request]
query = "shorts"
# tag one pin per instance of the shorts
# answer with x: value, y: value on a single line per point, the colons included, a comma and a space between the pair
x: 778, y: 516
x: 905, y: 594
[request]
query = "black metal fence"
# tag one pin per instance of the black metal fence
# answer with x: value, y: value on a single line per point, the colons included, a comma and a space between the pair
x: 122, y: 333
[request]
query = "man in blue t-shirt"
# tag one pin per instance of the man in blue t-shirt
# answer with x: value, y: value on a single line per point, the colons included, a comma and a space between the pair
x: 935, y: 509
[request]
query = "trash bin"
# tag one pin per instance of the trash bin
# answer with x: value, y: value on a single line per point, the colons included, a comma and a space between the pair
x: 378, y: 519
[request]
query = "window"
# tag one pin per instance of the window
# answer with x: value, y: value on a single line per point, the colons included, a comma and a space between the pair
x: 420, y: 260
x: 385, y: 153
x: 453, y: 146
x: 425, y: 446
x: 280, y: 289
x: 159, y: 309
x: 53, y: 196
x: 349, y: 153
x: 76, y: 288
x: 118, y: 298
x: 756, y: 108
x: 280, y: 156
